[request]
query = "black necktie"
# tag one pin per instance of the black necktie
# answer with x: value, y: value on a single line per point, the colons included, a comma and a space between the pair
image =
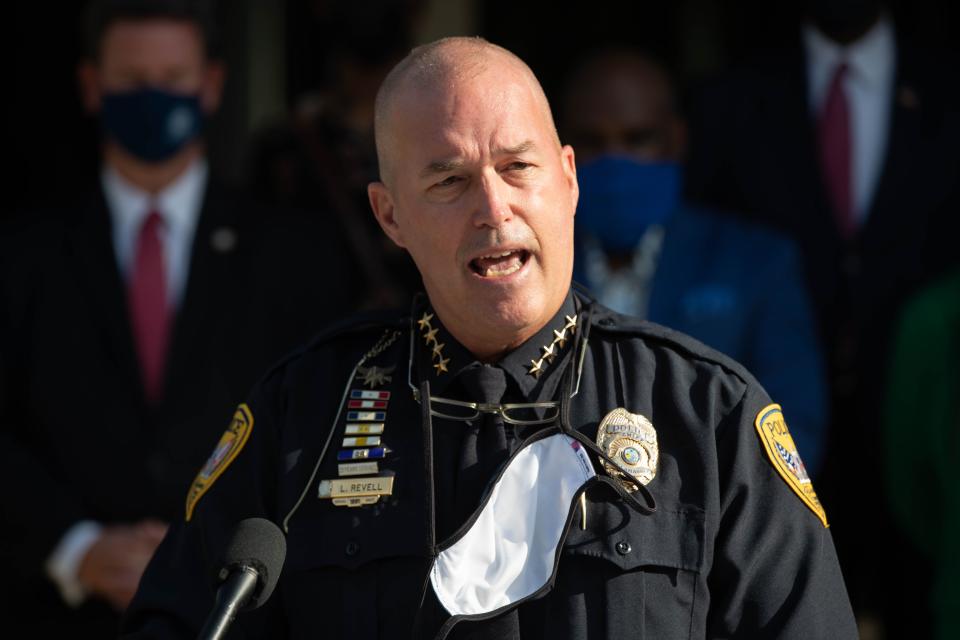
x: 484, y: 445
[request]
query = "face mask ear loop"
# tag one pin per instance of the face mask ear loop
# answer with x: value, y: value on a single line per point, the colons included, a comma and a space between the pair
x: 426, y: 422
x: 568, y: 430
x: 446, y: 628
x: 582, y: 340
x: 567, y: 385
x: 576, y: 365
x: 566, y: 426
x: 413, y: 352
x: 622, y: 401
x: 649, y: 504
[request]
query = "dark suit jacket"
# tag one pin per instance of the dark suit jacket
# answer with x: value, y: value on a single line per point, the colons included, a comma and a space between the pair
x: 77, y: 439
x: 754, y: 151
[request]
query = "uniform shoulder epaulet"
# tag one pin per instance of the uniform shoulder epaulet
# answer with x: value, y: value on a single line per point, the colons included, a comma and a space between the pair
x: 358, y: 326
x: 608, y: 321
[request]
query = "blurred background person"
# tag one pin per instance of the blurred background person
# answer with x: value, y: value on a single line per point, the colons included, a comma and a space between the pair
x: 641, y: 250
x: 847, y: 142
x: 133, y: 322
x: 922, y: 443
x: 322, y: 157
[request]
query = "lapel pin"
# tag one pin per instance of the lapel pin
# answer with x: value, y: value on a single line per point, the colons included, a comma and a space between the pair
x: 223, y: 240
x: 907, y: 97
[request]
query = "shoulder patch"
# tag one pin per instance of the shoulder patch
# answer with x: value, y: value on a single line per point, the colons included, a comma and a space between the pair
x: 782, y: 452
x: 231, y: 442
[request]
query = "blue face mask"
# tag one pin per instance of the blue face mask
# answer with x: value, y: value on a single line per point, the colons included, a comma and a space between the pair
x: 621, y: 197
x: 151, y: 124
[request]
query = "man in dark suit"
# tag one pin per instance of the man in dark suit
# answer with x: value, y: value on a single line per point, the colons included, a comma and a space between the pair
x: 736, y: 286
x: 847, y: 141
x: 133, y: 324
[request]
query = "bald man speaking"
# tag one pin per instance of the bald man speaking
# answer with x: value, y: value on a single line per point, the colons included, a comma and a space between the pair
x: 509, y: 459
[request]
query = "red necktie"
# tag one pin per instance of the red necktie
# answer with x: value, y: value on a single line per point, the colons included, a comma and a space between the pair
x: 149, y: 313
x: 835, y: 160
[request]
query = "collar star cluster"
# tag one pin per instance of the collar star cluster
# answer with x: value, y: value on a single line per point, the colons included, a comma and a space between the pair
x: 429, y: 334
x: 552, y: 350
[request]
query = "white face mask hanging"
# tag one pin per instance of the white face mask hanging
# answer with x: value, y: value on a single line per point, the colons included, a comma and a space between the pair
x: 510, y: 549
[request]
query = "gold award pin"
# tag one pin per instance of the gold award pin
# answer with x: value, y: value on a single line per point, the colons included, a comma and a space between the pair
x: 631, y: 441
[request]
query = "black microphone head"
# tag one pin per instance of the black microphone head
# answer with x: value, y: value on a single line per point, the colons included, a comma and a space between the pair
x: 259, y: 544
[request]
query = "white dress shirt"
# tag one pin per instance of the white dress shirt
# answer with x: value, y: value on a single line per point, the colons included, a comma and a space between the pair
x: 871, y: 68
x: 179, y: 204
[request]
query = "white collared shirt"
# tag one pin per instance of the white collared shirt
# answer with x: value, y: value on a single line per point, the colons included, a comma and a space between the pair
x: 871, y: 68
x: 178, y: 204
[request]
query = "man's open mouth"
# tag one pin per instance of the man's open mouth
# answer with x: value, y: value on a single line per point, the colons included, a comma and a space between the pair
x: 499, y: 265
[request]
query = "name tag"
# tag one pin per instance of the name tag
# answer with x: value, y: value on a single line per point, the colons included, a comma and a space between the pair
x: 355, y: 492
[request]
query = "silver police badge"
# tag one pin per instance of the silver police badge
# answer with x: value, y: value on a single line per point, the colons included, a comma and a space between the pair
x: 630, y: 440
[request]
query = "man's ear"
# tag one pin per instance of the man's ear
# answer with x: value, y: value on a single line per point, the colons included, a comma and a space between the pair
x: 211, y: 91
x: 88, y: 82
x: 569, y: 165
x: 385, y: 210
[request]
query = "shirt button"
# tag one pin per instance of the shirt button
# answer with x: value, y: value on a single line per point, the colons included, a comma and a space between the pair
x: 352, y: 549
x: 623, y: 548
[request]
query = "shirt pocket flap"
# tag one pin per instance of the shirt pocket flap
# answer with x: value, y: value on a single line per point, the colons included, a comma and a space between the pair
x: 344, y: 537
x: 630, y: 540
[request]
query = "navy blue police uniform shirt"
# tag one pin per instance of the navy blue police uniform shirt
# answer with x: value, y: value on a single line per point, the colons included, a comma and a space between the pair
x: 738, y: 546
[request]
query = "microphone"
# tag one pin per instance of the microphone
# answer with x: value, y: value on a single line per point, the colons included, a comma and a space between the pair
x: 251, y: 568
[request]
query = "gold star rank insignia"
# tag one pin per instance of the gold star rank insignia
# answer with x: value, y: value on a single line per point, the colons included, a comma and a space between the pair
x: 552, y: 350
x: 536, y: 368
x: 548, y: 352
x: 430, y: 337
x: 424, y: 321
x: 560, y: 337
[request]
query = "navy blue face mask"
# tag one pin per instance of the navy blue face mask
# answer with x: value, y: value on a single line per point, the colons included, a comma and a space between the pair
x: 151, y: 124
x: 621, y: 197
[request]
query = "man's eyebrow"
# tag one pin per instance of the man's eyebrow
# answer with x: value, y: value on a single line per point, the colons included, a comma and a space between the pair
x: 453, y: 164
x: 523, y: 147
x: 442, y: 166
